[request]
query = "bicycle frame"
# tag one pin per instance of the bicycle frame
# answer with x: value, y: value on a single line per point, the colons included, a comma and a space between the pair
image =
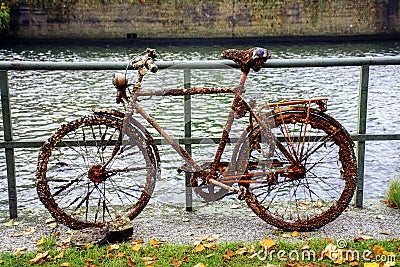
x: 194, y: 91
x: 238, y: 105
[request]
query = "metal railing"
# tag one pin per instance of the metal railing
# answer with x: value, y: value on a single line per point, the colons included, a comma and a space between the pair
x: 360, y: 137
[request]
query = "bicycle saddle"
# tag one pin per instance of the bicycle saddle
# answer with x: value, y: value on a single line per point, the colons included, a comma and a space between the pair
x: 252, y: 58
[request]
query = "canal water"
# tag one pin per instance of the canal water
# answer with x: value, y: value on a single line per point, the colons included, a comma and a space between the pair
x: 43, y: 100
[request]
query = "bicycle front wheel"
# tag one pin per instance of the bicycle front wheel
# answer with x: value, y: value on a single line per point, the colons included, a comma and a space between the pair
x: 306, y: 178
x: 86, y: 177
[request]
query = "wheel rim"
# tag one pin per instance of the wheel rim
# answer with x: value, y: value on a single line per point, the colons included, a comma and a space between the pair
x: 313, y: 192
x: 81, y: 186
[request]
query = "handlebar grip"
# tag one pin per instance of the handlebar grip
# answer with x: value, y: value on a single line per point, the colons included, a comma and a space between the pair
x: 150, y: 65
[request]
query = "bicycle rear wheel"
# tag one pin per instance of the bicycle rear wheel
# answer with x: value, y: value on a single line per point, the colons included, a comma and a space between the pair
x: 308, y: 178
x: 87, y: 177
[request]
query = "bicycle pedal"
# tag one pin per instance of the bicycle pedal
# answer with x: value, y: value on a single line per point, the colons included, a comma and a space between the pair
x: 242, y: 193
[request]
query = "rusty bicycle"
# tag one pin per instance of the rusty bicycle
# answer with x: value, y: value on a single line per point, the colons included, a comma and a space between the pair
x: 293, y: 164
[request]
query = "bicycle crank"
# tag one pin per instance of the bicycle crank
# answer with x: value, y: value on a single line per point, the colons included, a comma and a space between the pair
x: 222, y: 185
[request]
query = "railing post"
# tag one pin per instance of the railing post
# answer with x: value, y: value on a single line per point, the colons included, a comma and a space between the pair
x: 361, y: 129
x: 8, y: 137
x: 187, y: 109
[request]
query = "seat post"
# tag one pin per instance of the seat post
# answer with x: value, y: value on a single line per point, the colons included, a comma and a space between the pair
x: 244, y: 77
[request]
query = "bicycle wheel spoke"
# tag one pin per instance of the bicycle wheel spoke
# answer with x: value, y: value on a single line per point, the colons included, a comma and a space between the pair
x: 64, y: 187
x: 90, y: 175
x: 309, y: 187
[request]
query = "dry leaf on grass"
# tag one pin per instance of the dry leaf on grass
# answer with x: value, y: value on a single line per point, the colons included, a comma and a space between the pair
x: 199, y: 247
x: 20, y: 251
x: 266, y: 243
x: 39, y: 257
x: 154, y: 242
x: 112, y: 247
x: 137, y: 247
x: 130, y: 262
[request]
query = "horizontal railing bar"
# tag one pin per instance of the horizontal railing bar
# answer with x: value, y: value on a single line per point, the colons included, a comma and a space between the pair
x: 201, y: 64
x: 194, y: 140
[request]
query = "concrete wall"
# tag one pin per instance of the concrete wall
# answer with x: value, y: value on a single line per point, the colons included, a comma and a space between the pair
x: 203, y: 18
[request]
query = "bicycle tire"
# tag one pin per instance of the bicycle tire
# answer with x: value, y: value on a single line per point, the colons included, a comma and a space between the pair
x: 67, y: 182
x: 323, y: 188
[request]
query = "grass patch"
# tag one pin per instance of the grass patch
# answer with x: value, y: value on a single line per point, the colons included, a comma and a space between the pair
x: 393, y: 196
x: 268, y: 252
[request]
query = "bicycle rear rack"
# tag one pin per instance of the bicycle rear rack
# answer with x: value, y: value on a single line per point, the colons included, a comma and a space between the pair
x: 321, y: 103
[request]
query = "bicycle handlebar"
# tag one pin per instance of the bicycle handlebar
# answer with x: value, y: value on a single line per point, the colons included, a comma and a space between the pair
x: 145, y: 62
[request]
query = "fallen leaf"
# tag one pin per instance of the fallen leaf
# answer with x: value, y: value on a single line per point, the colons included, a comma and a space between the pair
x: 17, y: 234
x: 199, y: 247
x: 378, y: 250
x: 50, y: 220
x: 65, y: 264
x: 212, y: 245
x: 303, y: 206
x: 242, y: 251
x: 318, y: 204
x: 39, y: 257
x: 286, y: 235
x: 41, y: 242
x: 88, y: 245
x: 306, y: 247
x: 11, y: 223
x: 130, y: 262
x: 354, y: 263
x: 154, y: 242
x: 210, y: 255
x: 295, y: 234
x: 29, y: 230
x: 200, y: 265
x: 267, y: 243
x: 112, y: 247
x: 60, y: 255
x: 19, y: 251
x: 53, y: 225
x: 120, y: 255
x: 137, y: 247
x: 148, y: 260
x: 175, y: 263
x: 366, y: 237
x: 202, y: 238
x: 138, y: 241
x: 389, y: 264
x: 340, y: 258
x: 371, y: 264
x: 329, y: 251
x: 213, y: 238
x: 229, y: 254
